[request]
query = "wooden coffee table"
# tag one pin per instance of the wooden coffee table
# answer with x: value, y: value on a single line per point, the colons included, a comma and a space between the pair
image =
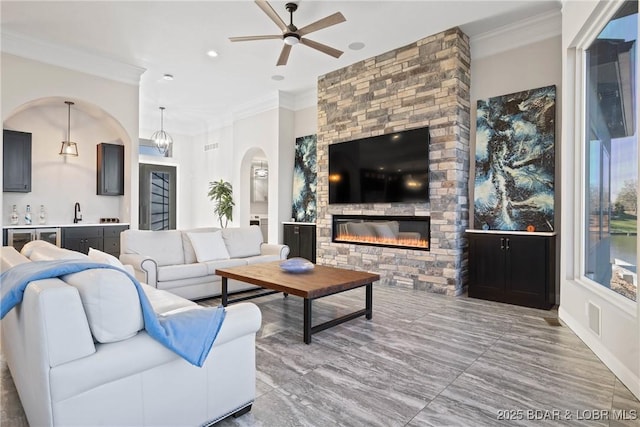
x: 317, y: 283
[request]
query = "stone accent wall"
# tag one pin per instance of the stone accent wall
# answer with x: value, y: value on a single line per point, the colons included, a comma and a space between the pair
x: 423, y: 84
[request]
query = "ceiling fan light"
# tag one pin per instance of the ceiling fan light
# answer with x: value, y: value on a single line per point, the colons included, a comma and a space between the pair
x: 291, y: 40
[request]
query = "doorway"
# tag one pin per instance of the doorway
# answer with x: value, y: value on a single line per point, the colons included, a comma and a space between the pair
x: 157, y: 197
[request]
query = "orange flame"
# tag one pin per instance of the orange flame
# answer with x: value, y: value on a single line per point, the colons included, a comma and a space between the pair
x: 416, y: 243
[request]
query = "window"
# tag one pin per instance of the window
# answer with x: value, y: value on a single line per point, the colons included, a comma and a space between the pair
x: 611, y: 154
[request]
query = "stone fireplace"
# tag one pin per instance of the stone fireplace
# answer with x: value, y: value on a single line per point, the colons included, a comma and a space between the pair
x: 422, y: 84
x: 409, y: 232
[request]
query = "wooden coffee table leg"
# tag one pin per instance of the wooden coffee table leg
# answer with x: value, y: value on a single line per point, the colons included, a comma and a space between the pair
x: 307, y: 321
x: 224, y: 292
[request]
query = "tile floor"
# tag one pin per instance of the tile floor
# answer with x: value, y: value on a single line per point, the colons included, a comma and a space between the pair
x: 423, y: 360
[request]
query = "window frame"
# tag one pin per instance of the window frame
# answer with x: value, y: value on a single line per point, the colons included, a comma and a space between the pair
x: 580, y: 239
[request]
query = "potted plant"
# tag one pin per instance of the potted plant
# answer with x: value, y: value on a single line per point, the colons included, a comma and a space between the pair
x: 221, y: 193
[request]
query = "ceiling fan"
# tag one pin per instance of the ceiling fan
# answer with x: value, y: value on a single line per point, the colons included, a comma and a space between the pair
x: 293, y: 35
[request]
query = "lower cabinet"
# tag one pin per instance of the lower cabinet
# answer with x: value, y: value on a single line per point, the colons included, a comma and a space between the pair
x: 80, y: 239
x: 105, y: 239
x: 513, y: 268
x: 301, y: 239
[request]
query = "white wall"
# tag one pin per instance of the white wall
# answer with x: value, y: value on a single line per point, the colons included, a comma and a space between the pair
x: 619, y: 340
x: 58, y: 182
x: 182, y: 157
x: 212, y: 157
x: 110, y: 109
x: 270, y: 134
x: 306, y: 121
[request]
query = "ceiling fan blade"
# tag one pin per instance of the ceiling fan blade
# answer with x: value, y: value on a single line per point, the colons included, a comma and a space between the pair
x: 250, y: 38
x: 322, y: 48
x: 266, y: 8
x: 284, y: 55
x: 330, y: 20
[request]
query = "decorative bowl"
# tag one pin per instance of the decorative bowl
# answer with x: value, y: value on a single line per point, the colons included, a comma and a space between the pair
x: 297, y: 265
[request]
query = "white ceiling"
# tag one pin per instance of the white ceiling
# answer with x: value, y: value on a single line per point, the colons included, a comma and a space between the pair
x: 174, y: 36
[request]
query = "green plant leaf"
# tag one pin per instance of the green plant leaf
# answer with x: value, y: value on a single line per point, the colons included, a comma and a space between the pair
x: 221, y: 193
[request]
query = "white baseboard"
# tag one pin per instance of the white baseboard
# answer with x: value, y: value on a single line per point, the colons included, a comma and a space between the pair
x: 624, y: 374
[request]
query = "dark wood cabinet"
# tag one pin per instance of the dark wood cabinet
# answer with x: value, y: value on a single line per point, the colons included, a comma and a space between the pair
x: 16, y: 161
x: 301, y: 239
x: 110, y: 167
x: 106, y: 239
x: 513, y: 268
x: 80, y: 239
x: 111, y: 244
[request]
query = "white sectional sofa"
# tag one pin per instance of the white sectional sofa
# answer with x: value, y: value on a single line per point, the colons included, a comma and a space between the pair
x: 184, y: 261
x: 79, y: 355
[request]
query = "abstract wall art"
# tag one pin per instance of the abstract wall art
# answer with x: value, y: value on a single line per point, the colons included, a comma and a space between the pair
x: 515, y: 161
x: 304, y: 180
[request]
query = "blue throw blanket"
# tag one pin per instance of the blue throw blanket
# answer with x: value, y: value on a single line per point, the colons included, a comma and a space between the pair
x: 189, y: 333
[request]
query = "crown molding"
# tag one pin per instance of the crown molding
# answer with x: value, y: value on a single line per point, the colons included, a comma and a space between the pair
x: 74, y: 59
x: 511, y: 36
x: 256, y: 106
x: 306, y: 99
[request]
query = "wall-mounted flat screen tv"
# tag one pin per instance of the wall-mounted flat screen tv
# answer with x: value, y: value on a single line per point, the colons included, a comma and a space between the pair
x: 381, y: 169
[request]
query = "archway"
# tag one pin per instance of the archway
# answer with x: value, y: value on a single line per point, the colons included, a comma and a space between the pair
x: 59, y: 182
x: 254, y: 190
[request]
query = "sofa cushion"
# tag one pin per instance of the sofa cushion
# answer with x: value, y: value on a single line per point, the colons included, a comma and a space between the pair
x: 164, y: 246
x: 189, y: 253
x: 208, y: 246
x: 223, y: 263
x: 181, y: 271
x: 164, y: 302
x: 242, y: 241
x: 262, y: 258
x: 50, y: 252
x: 111, y: 302
x: 104, y: 258
x: 28, y: 247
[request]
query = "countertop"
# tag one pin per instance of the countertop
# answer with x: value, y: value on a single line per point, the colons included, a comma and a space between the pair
x: 80, y: 224
x: 521, y: 233
x: 298, y: 223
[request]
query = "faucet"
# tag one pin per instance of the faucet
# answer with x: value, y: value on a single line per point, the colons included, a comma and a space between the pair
x: 77, y: 214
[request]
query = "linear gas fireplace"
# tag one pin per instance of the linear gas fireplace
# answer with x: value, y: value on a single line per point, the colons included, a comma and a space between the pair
x: 408, y: 232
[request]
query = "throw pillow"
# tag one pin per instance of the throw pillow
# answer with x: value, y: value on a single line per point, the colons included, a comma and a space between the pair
x: 111, y: 302
x: 209, y: 246
x: 104, y: 258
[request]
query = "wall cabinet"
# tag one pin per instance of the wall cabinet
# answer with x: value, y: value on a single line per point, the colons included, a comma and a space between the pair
x: 110, y: 169
x: 513, y: 268
x: 301, y: 239
x: 16, y: 161
x: 105, y: 239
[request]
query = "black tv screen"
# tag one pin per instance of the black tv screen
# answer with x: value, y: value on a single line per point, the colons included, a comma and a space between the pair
x: 381, y: 169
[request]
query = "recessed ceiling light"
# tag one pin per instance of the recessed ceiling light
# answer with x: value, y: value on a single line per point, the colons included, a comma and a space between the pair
x: 212, y: 53
x: 277, y: 77
x: 168, y: 77
x: 356, y: 46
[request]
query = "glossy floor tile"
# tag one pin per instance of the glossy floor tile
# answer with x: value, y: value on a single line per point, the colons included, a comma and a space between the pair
x: 423, y: 360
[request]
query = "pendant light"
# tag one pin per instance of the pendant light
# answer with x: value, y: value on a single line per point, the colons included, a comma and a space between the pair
x: 261, y: 172
x: 68, y: 147
x: 162, y: 139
